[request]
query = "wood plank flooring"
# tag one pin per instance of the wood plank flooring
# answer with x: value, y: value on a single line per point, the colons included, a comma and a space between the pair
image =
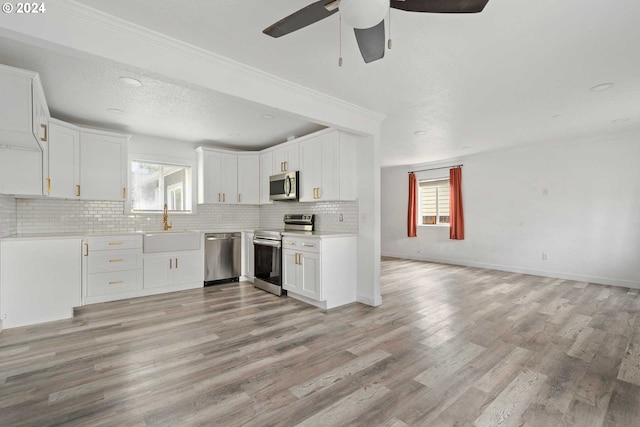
x: 450, y: 346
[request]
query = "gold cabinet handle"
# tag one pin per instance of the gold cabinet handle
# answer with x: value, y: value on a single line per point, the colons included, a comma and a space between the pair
x: 86, y: 249
x: 48, y: 185
x: 219, y: 198
x: 238, y: 197
x: 176, y: 262
x: 224, y: 197
x: 286, y: 166
x: 170, y: 263
x: 45, y: 137
x: 124, y: 193
x: 78, y: 190
x: 291, y: 243
x: 115, y: 243
x: 309, y: 245
x: 117, y: 282
x: 116, y: 260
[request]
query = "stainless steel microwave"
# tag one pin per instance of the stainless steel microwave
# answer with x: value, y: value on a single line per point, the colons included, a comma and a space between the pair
x: 284, y: 187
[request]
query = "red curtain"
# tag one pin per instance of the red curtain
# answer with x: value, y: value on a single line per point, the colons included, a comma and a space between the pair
x: 456, y: 231
x: 412, y: 220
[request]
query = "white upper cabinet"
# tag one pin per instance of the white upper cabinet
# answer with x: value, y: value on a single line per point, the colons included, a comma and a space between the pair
x: 103, y: 160
x: 286, y: 158
x: 61, y: 164
x: 23, y: 110
x: 328, y: 167
x: 249, y: 179
x: 266, y: 169
x: 23, y: 131
x: 217, y: 176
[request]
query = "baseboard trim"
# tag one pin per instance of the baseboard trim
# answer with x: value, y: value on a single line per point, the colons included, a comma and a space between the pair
x: 523, y: 270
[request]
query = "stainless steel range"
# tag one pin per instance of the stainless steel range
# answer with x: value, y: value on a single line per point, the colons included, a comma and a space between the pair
x: 267, y: 245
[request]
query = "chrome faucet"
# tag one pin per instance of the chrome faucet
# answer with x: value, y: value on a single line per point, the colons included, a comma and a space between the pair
x: 165, y: 218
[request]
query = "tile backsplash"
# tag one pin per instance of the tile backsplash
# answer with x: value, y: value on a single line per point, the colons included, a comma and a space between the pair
x: 327, y: 215
x: 68, y: 216
x: 8, y: 216
x: 42, y: 216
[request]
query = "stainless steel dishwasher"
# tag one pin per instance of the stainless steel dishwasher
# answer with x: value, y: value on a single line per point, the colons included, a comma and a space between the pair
x: 223, y: 257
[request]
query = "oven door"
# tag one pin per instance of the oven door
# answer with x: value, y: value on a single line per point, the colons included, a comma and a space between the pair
x: 268, y: 265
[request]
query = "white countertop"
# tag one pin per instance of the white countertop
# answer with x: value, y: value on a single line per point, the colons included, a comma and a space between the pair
x: 57, y: 236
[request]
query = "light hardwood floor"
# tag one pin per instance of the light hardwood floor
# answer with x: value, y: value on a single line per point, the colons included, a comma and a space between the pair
x: 450, y: 346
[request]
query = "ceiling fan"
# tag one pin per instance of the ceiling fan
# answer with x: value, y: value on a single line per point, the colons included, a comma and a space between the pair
x: 367, y: 18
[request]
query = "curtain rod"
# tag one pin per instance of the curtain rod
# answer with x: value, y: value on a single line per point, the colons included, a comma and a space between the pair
x: 433, y: 169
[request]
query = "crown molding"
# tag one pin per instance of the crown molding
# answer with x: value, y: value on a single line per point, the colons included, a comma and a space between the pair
x: 109, y: 37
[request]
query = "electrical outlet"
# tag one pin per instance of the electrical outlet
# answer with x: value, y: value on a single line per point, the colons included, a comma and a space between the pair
x: 545, y: 256
x: 340, y: 218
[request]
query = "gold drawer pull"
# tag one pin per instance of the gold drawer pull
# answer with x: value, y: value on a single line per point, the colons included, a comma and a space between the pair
x: 309, y: 245
x: 45, y: 137
x: 116, y: 260
x: 116, y: 243
x: 118, y: 282
x: 291, y: 243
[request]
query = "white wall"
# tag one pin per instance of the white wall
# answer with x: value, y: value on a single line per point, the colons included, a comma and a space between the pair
x: 588, y: 222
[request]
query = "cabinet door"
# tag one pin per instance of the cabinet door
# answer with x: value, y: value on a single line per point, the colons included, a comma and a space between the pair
x: 40, y: 116
x: 290, y: 279
x: 249, y: 179
x: 102, y: 167
x: 63, y: 151
x: 329, y: 188
x: 41, y: 280
x: 229, y: 179
x: 266, y: 169
x: 20, y: 172
x: 279, y: 159
x: 15, y: 105
x: 292, y: 157
x: 158, y: 270
x: 308, y: 275
x: 310, y: 174
x: 188, y: 268
x: 210, y: 190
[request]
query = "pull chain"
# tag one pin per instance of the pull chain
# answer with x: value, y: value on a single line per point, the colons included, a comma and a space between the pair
x: 340, y: 37
x: 389, y: 43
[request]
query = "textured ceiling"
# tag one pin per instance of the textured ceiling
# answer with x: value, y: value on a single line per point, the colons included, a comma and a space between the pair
x: 519, y: 72
x: 80, y: 89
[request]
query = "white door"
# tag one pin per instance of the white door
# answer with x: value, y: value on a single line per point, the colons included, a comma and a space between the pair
x: 290, y: 271
x: 310, y: 174
x: 20, y: 172
x: 229, y: 178
x: 308, y: 276
x: 63, y: 151
x: 266, y: 169
x: 158, y: 270
x: 102, y: 167
x: 187, y: 268
x: 330, y: 167
x: 248, y: 179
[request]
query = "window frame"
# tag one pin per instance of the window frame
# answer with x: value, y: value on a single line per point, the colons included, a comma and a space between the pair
x: 165, y: 160
x: 429, y: 178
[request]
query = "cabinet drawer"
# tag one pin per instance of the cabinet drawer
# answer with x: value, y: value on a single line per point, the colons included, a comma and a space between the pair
x: 105, y: 243
x: 308, y: 245
x: 114, y: 282
x: 102, y: 262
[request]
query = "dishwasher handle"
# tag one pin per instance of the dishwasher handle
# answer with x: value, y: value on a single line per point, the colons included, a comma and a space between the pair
x: 222, y: 238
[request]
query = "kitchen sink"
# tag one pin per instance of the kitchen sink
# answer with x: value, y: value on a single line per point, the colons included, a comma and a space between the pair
x: 171, y: 241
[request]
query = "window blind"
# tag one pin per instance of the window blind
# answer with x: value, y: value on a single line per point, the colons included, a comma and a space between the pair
x: 434, y: 201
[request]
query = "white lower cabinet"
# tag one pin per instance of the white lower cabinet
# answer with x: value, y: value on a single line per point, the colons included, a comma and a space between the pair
x: 320, y: 271
x: 113, y: 266
x: 183, y: 270
x: 40, y: 280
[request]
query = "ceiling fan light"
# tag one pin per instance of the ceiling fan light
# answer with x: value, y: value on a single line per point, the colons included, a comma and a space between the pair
x: 363, y: 13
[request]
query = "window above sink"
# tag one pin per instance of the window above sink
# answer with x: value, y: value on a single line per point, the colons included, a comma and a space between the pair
x: 154, y: 184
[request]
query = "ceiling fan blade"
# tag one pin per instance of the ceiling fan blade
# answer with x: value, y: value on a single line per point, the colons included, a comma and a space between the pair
x: 371, y: 42
x: 440, y: 6
x: 305, y: 16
